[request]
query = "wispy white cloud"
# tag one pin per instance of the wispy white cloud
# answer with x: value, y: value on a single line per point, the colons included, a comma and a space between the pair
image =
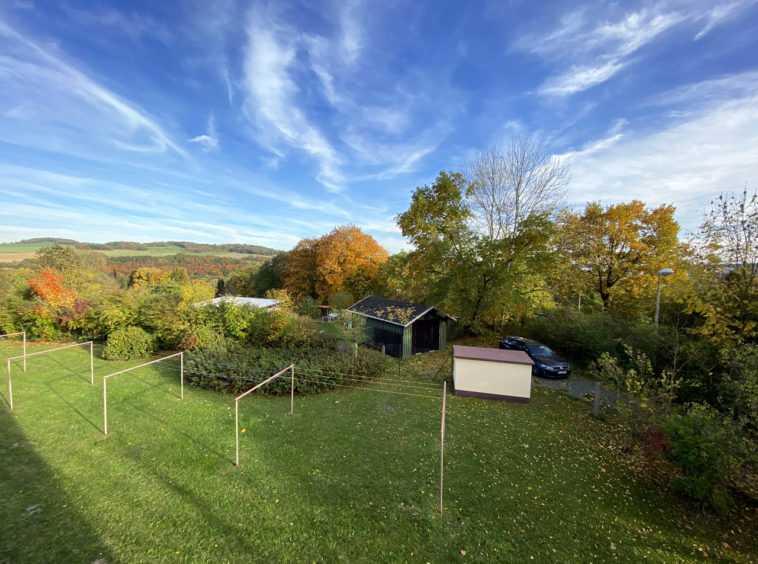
x: 38, y: 74
x: 711, y: 150
x: 271, y: 103
x: 229, y: 90
x: 597, y: 44
x: 133, y: 24
x: 707, y: 91
x: 722, y: 13
x: 352, y: 31
x: 209, y: 140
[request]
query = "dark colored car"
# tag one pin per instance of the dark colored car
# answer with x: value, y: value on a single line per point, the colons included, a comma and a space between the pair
x: 546, y: 362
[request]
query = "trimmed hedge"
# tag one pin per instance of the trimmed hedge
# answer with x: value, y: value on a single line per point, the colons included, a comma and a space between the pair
x: 129, y: 343
x: 240, y: 367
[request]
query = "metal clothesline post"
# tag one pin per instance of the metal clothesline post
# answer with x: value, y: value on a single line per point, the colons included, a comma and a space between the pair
x: 442, y: 443
x: 105, y: 408
x: 105, y: 399
x: 237, y: 405
x: 10, y: 389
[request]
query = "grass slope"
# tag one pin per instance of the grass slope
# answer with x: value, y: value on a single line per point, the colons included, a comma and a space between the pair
x: 353, y: 477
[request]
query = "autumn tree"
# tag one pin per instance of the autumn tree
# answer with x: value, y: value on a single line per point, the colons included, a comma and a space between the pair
x: 65, y: 260
x: 727, y: 296
x: 619, y: 249
x: 346, y: 259
x: 459, y: 269
x: 301, y: 272
x: 49, y: 287
x: 147, y: 277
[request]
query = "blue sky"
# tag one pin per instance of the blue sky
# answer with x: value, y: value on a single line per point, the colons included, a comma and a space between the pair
x: 224, y: 121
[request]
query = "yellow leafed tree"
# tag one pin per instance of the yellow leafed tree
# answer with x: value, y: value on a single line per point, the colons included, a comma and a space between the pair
x: 619, y: 249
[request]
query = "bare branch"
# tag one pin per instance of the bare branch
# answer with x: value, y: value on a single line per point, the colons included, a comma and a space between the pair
x: 508, y: 185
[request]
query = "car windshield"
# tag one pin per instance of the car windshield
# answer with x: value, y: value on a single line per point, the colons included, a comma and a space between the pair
x: 540, y: 350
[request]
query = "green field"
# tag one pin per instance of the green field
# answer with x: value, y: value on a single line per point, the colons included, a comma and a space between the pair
x: 12, y: 252
x: 24, y: 247
x: 353, y: 477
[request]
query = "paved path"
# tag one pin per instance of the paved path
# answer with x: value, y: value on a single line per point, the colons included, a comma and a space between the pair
x: 576, y: 386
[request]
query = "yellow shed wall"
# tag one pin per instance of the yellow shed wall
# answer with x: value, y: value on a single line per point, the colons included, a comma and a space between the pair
x: 493, y: 378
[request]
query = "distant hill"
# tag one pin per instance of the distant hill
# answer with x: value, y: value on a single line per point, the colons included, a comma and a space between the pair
x: 26, y: 249
x: 133, y: 246
x: 222, y: 248
x: 54, y: 240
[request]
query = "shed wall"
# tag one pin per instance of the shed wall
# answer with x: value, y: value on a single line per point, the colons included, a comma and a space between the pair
x: 492, y: 380
x: 387, y: 334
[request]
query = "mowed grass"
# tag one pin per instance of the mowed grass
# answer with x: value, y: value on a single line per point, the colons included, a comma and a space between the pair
x: 353, y: 477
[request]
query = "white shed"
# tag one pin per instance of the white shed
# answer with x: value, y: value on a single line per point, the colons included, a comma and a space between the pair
x: 492, y: 374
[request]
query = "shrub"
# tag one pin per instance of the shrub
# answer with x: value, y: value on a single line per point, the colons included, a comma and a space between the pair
x: 697, y: 447
x: 128, y: 343
x: 200, y: 337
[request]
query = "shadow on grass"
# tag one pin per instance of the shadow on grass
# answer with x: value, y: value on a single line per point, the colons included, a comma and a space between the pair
x: 203, y: 447
x: 73, y: 407
x: 39, y: 523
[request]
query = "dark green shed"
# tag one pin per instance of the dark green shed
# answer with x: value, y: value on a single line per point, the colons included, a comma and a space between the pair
x: 404, y: 328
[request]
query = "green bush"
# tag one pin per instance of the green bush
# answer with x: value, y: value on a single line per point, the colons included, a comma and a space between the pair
x: 128, y: 343
x: 697, y: 447
x: 584, y: 337
x: 200, y: 337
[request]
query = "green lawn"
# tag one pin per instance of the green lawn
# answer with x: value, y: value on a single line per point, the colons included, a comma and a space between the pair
x: 353, y: 477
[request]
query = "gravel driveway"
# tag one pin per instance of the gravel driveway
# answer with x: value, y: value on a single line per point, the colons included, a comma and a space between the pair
x: 576, y: 386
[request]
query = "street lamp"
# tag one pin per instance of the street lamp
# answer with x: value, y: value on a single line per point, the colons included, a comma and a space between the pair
x: 663, y: 272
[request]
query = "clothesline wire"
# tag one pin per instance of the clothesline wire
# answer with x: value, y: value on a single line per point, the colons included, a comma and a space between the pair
x: 311, y: 370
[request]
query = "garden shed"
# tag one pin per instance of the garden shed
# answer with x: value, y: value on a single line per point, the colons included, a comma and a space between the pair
x: 492, y: 374
x: 403, y: 328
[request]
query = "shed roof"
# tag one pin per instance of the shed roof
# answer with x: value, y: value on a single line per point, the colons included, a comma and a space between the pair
x: 263, y: 303
x: 390, y: 311
x: 491, y: 355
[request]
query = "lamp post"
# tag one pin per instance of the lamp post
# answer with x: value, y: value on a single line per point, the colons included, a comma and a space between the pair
x: 663, y: 272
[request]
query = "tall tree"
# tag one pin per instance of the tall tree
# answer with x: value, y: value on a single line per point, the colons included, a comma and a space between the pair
x: 269, y: 275
x: 454, y: 266
x: 346, y: 259
x: 301, y: 272
x: 620, y: 248
x: 728, y: 245
x: 508, y: 185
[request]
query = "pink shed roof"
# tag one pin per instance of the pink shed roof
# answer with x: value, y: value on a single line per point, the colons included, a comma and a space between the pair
x: 491, y: 355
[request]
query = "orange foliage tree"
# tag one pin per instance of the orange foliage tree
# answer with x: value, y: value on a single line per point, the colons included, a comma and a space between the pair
x: 51, y: 289
x: 344, y: 260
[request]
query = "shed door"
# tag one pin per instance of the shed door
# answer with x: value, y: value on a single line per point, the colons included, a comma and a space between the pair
x: 426, y: 335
